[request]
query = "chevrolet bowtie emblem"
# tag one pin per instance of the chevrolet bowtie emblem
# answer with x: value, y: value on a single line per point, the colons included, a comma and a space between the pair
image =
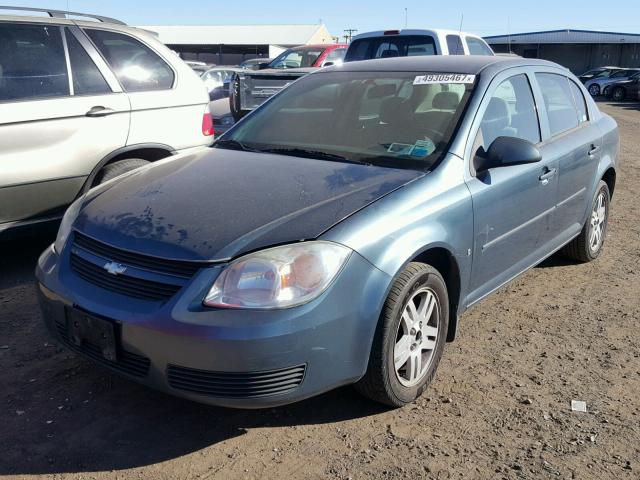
x: 114, y: 268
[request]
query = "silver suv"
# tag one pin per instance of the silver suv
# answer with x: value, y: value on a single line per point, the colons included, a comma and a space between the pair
x: 82, y: 102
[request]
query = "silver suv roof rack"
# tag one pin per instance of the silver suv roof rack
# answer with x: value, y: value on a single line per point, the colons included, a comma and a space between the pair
x: 63, y: 14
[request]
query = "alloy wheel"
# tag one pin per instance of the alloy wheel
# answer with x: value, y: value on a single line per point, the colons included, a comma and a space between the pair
x: 598, y: 222
x: 594, y: 90
x: 618, y: 94
x: 416, y: 337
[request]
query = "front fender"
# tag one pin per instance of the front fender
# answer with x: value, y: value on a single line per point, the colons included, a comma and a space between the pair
x: 434, y: 211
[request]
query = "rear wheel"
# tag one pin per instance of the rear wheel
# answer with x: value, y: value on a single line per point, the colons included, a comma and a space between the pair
x: 594, y: 90
x: 588, y: 245
x: 409, y: 339
x: 618, y: 94
x: 115, y: 169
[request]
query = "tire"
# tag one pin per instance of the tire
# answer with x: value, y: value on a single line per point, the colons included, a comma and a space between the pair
x: 384, y: 383
x: 116, y: 169
x: 606, y: 91
x: 618, y: 94
x: 581, y: 248
x: 594, y: 90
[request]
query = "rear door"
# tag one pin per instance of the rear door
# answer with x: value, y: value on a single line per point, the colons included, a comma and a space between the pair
x: 163, y: 109
x: 512, y: 205
x: 575, y: 142
x: 59, y: 115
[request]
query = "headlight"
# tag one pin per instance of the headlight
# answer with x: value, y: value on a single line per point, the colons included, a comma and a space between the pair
x: 279, y: 277
x: 67, y: 222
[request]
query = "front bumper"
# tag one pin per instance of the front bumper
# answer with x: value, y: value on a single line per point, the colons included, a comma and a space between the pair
x: 233, y: 358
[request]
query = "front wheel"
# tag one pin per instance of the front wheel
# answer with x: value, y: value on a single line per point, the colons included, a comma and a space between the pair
x: 588, y: 245
x: 618, y: 94
x: 594, y: 90
x: 409, y: 338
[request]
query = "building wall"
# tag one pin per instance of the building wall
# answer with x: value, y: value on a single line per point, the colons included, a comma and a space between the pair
x: 221, y: 54
x: 578, y: 57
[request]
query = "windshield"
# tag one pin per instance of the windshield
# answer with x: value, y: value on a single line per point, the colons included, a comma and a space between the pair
x: 401, y: 120
x: 297, y: 58
x: 390, y: 46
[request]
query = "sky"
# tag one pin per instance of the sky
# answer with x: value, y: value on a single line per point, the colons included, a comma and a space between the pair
x: 484, y: 17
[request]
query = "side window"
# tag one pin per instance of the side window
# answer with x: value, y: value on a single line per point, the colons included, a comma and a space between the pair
x: 558, y: 101
x: 478, y: 47
x: 87, y: 79
x: 581, y: 105
x: 336, y: 56
x: 454, y: 44
x: 137, y: 67
x: 32, y: 62
x: 511, y: 113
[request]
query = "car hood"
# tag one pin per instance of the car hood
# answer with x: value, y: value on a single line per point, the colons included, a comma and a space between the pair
x: 281, y: 71
x: 217, y: 204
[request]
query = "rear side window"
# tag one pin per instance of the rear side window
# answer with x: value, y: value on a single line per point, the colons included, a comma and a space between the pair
x: 390, y: 46
x: 87, y: 79
x: 558, y: 101
x: 478, y: 47
x: 137, y: 67
x: 581, y: 105
x: 511, y: 113
x: 32, y: 62
x: 454, y: 44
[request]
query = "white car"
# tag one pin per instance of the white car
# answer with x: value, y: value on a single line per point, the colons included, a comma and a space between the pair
x: 412, y: 42
x: 82, y: 102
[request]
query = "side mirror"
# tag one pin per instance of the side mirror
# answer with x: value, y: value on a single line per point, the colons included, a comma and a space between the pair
x: 263, y: 65
x: 508, y: 151
x: 327, y: 64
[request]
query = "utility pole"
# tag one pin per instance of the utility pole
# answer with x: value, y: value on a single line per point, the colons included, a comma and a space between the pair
x: 349, y: 34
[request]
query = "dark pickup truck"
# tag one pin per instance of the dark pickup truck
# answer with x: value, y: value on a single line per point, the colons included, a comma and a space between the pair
x: 251, y: 88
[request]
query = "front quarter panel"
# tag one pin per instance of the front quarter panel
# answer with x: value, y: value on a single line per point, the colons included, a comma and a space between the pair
x: 434, y: 211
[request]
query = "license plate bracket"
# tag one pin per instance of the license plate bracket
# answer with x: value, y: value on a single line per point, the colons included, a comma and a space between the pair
x: 101, y: 334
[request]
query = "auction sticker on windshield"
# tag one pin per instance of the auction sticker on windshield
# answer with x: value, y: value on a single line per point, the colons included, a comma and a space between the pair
x: 443, y: 78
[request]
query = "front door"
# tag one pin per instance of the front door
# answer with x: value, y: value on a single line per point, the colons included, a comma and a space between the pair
x: 512, y: 205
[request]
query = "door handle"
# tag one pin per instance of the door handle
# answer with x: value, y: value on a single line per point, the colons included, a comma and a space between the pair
x: 593, y: 150
x: 547, y: 175
x: 100, y: 111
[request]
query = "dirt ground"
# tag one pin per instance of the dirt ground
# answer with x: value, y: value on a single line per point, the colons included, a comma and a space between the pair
x: 498, y: 408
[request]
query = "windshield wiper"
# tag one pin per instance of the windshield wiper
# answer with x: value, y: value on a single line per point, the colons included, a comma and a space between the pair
x: 233, y: 145
x: 315, y: 154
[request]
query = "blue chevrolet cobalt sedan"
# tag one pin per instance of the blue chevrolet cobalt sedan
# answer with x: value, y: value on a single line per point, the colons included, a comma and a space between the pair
x: 337, y: 233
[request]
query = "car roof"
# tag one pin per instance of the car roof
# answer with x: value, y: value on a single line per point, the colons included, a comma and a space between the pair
x: 413, y: 31
x: 467, y: 64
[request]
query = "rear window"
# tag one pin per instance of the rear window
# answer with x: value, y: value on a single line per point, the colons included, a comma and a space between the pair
x: 297, y: 58
x: 137, y: 67
x: 390, y: 46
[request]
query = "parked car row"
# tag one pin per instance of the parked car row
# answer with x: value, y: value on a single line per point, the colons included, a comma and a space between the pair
x: 602, y: 81
x: 251, y: 89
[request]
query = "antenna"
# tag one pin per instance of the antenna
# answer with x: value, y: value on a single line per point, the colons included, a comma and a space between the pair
x: 406, y: 17
x: 461, y: 22
x: 509, y: 32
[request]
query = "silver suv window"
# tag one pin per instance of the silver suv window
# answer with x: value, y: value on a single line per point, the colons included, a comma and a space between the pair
x: 87, y: 79
x: 137, y: 67
x: 32, y: 62
x: 478, y: 47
